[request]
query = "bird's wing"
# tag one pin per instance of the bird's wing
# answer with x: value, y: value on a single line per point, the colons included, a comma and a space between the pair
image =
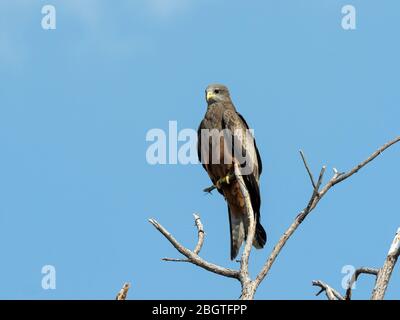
x: 259, y: 162
x: 244, y: 144
x: 202, y: 154
x: 199, y: 145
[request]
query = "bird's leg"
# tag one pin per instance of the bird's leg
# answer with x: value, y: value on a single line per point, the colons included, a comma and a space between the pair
x: 224, y: 180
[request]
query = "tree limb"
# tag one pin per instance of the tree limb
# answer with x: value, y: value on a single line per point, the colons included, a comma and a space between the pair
x: 193, y: 257
x: 331, y: 293
x: 200, y: 234
x: 122, y: 294
x: 354, y: 279
x: 385, y: 273
x: 307, y: 168
x: 200, y: 240
x: 247, y: 285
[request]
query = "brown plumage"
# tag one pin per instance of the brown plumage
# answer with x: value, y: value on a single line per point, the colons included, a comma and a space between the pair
x: 222, y: 117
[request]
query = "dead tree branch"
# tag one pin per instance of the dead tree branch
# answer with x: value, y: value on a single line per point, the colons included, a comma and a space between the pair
x: 354, y: 279
x: 200, y: 240
x: 122, y: 294
x: 303, y: 157
x: 248, y: 289
x: 193, y: 257
x: 331, y: 293
x: 249, y: 286
x: 385, y: 273
x: 200, y: 234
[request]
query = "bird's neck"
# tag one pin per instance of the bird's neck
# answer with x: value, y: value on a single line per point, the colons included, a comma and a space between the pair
x: 222, y: 104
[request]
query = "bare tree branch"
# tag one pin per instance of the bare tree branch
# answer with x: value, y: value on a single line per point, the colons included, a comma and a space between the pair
x: 200, y: 240
x: 354, y: 279
x: 122, y: 294
x: 200, y: 234
x: 385, y: 273
x: 315, y: 198
x: 193, y: 257
x: 247, y: 285
x: 363, y: 164
x: 331, y: 293
x: 307, y: 168
x: 175, y: 260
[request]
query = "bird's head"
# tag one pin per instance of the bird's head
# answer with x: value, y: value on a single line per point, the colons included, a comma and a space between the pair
x: 217, y: 93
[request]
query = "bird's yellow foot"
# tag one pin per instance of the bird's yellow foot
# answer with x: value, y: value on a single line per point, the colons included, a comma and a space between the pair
x: 226, y: 180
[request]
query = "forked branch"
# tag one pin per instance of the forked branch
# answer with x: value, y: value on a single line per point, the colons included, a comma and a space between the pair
x: 354, y: 279
x: 331, y: 293
x: 193, y: 257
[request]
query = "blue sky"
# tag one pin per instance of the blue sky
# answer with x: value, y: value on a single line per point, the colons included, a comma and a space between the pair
x: 77, y: 102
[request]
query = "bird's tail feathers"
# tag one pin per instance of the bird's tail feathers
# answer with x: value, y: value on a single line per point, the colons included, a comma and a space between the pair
x: 260, y: 238
x: 237, y: 234
x: 239, y: 227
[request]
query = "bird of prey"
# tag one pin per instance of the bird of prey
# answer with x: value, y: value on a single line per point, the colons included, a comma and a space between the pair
x: 221, y: 115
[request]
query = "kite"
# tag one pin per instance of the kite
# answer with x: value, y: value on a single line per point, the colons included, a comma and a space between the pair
x: 218, y: 156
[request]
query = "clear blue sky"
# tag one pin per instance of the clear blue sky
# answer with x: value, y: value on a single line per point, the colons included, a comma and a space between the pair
x: 76, y: 103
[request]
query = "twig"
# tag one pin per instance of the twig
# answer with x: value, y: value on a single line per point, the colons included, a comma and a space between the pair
x: 378, y: 152
x: 200, y: 240
x: 307, y: 168
x: 355, y: 276
x: 122, y: 294
x: 193, y: 257
x: 385, y: 273
x: 331, y: 293
x: 200, y: 234
x: 175, y: 260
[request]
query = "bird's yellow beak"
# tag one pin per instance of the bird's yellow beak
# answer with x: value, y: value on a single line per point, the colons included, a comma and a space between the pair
x: 209, y: 95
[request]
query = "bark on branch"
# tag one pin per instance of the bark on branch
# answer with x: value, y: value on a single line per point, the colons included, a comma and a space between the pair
x: 385, y: 273
x: 193, y: 257
x: 122, y: 294
x: 355, y: 276
x: 331, y: 293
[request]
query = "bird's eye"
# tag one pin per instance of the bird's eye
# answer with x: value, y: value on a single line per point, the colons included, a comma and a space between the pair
x: 216, y: 91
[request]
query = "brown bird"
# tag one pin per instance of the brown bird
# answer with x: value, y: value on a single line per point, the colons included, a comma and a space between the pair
x: 217, y: 156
